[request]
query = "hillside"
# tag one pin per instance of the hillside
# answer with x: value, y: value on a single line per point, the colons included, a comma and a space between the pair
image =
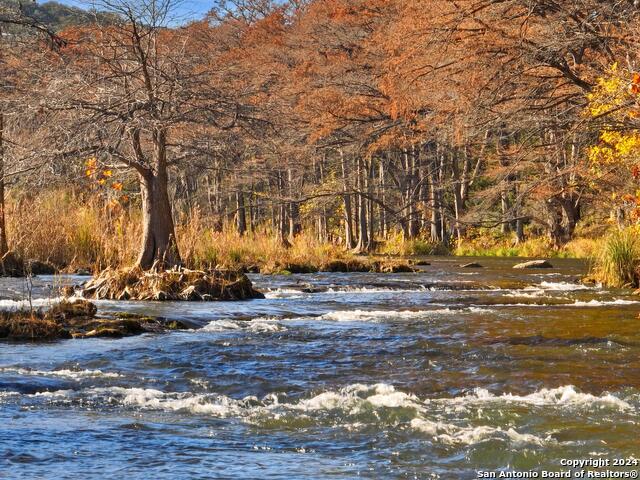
x: 58, y: 16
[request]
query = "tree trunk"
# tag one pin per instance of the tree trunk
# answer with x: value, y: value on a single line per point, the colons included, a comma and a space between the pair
x: 4, y: 248
x: 434, y: 201
x: 363, y: 232
x: 241, y: 215
x: 383, y: 213
x: 159, y: 247
x: 348, y: 212
x: 283, y: 213
x: 295, y: 227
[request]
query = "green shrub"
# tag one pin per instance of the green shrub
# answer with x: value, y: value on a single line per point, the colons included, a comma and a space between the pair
x: 617, y: 264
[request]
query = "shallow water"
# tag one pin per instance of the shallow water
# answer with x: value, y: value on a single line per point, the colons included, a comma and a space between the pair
x: 430, y: 375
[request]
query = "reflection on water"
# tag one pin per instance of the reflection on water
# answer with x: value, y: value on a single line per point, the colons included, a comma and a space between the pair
x: 428, y: 375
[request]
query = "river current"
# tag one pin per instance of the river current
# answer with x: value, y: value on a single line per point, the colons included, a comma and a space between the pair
x: 436, y: 374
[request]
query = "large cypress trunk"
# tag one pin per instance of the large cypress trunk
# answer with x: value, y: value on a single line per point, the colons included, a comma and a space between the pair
x: 159, y: 247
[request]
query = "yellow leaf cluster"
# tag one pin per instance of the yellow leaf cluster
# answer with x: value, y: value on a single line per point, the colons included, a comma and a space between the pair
x: 615, y: 147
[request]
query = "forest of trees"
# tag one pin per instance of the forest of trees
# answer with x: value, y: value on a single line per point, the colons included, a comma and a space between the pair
x: 351, y: 120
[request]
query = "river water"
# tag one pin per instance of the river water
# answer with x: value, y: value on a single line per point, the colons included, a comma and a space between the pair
x: 436, y: 374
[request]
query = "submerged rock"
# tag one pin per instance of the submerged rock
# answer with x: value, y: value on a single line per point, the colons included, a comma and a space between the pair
x: 534, y: 264
x: 422, y: 263
x: 471, y: 265
x: 176, y: 284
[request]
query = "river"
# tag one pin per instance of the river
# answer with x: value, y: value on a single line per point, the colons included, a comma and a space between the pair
x: 436, y: 374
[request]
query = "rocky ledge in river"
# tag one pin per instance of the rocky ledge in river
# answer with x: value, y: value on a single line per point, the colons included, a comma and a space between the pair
x: 352, y: 265
x: 78, y: 319
x: 175, y: 284
x: 534, y: 264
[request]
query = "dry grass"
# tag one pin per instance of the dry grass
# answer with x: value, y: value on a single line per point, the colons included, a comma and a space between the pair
x: 72, y: 231
x: 491, y: 244
x: 26, y: 325
x: 82, y: 231
x: 77, y: 231
x: 395, y: 244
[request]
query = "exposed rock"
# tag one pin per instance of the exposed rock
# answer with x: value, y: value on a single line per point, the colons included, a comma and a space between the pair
x: 299, y: 268
x: 82, y: 271
x: 68, y: 291
x: 36, y: 267
x: 78, y: 308
x: 336, y: 266
x: 534, y: 264
x: 422, y: 263
x: 176, y: 284
x: 11, y: 265
x: 77, y: 319
x: 345, y: 266
x: 391, y: 267
x: 24, y: 325
x: 471, y: 265
x: 308, y: 288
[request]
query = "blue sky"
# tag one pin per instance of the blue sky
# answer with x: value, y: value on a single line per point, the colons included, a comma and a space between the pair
x: 188, y: 9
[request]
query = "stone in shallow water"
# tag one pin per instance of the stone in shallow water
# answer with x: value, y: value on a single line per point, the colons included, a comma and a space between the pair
x: 422, y: 263
x: 471, y: 265
x: 534, y: 264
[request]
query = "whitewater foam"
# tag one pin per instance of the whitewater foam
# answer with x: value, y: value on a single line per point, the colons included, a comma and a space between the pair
x: 74, y: 374
x: 446, y: 420
x: 601, y: 303
x: 453, y: 435
x: 35, y: 302
x: 563, y: 286
x: 380, y: 315
x: 256, y: 325
x: 562, y: 396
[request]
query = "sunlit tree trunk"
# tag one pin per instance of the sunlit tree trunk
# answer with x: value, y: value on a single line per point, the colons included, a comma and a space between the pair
x: 295, y: 227
x: 346, y: 198
x: 241, y: 215
x: 4, y: 248
x: 363, y: 232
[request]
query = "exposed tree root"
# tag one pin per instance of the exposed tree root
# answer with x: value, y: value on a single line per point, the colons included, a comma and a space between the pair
x: 176, y: 284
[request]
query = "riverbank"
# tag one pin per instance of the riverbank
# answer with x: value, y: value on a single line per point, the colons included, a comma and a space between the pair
x: 76, y: 232
x: 83, y: 234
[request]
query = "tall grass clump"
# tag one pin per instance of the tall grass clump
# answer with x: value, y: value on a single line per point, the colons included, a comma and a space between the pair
x: 73, y: 230
x: 483, y: 243
x: 618, y: 262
